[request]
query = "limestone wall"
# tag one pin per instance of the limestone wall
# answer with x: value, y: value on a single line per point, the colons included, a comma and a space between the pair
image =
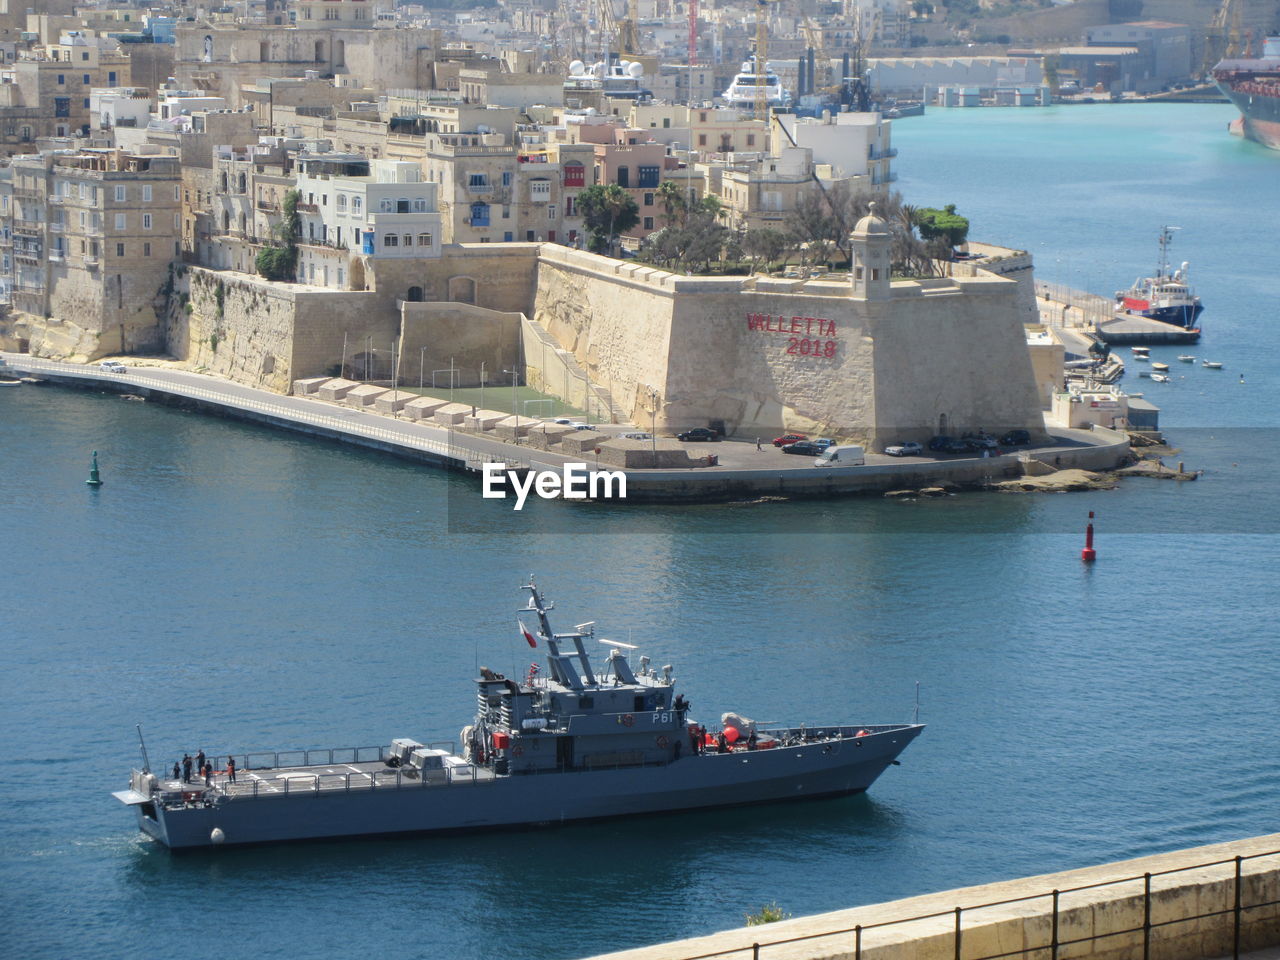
x: 1184, y: 884
x: 435, y: 335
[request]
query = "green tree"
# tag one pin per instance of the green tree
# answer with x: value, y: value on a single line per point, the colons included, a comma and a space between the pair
x: 279, y: 261
x: 942, y: 225
x: 763, y: 245
x: 606, y: 212
x: 674, y: 202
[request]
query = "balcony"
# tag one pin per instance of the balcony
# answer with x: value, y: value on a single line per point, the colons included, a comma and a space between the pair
x: 270, y: 206
x: 55, y: 256
x: 28, y: 228
x: 55, y: 227
x: 90, y: 261
x: 308, y: 208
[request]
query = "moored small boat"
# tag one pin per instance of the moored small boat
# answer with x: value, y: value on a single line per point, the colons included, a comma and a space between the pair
x: 1187, y: 357
x: 1211, y: 364
x: 1159, y: 378
x: 1162, y: 367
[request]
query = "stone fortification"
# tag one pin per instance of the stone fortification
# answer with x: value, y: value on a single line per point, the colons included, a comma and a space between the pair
x: 867, y: 360
x: 922, y: 357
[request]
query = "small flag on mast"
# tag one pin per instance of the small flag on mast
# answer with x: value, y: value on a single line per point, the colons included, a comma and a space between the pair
x: 527, y: 635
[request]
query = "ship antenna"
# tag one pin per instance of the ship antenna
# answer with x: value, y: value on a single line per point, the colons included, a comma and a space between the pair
x: 142, y: 745
x: 917, y: 718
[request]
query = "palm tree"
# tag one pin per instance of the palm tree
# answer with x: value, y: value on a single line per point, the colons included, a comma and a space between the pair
x: 671, y: 194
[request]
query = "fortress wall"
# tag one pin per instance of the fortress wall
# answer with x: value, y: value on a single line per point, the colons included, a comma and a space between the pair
x: 434, y: 334
x: 759, y: 362
x: 618, y: 329
x: 496, y: 276
x: 957, y: 352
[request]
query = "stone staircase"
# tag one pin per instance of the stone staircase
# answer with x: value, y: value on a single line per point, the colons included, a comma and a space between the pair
x: 575, y: 370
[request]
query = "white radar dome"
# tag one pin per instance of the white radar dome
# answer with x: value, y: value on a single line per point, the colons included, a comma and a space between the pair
x: 576, y: 68
x: 636, y: 70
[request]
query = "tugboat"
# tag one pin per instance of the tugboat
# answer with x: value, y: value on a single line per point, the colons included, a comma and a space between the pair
x: 1166, y: 296
x: 572, y: 744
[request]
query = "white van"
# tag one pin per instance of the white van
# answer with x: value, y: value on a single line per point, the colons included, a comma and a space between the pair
x: 842, y: 456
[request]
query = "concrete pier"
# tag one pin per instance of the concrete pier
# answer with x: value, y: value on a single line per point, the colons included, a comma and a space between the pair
x: 743, y: 472
x: 1205, y: 902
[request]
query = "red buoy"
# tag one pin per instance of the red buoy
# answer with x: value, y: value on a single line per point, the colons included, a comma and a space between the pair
x: 1088, y: 554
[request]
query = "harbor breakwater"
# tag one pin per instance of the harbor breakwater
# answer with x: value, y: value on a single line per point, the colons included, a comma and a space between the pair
x: 1211, y: 901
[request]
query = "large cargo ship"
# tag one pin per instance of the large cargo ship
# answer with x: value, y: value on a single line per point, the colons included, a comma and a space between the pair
x: 571, y: 745
x: 1254, y: 87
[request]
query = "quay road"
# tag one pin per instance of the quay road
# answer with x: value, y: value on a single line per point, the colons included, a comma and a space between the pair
x: 743, y: 471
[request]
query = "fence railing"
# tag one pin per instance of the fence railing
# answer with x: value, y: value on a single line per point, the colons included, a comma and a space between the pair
x: 231, y: 400
x: 1054, y: 944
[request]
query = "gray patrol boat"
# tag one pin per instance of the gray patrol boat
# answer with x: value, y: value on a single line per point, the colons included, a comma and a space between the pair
x: 571, y: 745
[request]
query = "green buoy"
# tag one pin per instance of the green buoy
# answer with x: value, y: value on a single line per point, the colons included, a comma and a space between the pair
x: 94, y: 480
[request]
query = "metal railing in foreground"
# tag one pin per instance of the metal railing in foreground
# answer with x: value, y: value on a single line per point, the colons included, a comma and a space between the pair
x: 1054, y: 946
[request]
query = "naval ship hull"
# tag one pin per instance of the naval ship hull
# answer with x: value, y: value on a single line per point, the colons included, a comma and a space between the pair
x: 325, y: 804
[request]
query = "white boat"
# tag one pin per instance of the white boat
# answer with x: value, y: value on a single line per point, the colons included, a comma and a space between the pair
x: 1162, y: 367
x: 1212, y: 365
x: 1159, y: 378
x: 741, y: 93
x: 1141, y: 351
x: 615, y: 77
x: 1186, y: 358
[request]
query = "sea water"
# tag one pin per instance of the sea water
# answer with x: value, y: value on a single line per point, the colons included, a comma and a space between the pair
x: 234, y: 588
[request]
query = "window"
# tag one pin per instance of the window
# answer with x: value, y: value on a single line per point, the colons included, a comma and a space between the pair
x: 574, y: 175
x: 648, y: 199
x: 390, y: 240
x: 84, y: 55
x: 62, y: 106
x: 529, y: 237
x: 539, y: 189
x: 419, y: 205
x: 357, y: 204
x: 146, y: 193
x: 648, y: 223
x: 146, y: 249
x: 111, y: 78
x: 570, y: 206
x: 86, y: 103
x: 506, y: 178
x: 176, y: 193
x: 87, y: 81
x: 122, y: 193
x: 62, y: 79
x: 480, y: 214
x: 342, y: 203
x: 508, y: 237
x: 751, y: 139
x: 478, y: 181
x: 387, y: 205
x: 424, y: 239
x: 702, y: 139
x: 121, y: 221
x: 119, y: 249
x: 146, y: 221
x: 551, y: 211
x: 408, y: 239
x: 506, y: 211
x: 624, y: 176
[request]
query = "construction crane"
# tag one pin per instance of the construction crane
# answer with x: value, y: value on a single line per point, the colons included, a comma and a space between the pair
x: 1223, y: 38
x: 629, y: 31
x: 762, y: 61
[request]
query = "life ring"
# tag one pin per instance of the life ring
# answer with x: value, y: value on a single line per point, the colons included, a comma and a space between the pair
x: 663, y: 742
x: 628, y: 719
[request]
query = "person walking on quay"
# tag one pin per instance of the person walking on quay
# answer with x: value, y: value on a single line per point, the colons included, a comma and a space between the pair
x: 758, y: 447
x: 231, y: 769
x: 186, y: 768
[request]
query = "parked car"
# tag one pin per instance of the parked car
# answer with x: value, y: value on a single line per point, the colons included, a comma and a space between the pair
x: 698, y: 435
x: 1016, y: 438
x: 908, y: 449
x: 939, y: 443
x: 579, y: 425
x: 981, y: 442
x: 636, y: 435
x: 824, y: 442
x: 788, y: 438
x: 112, y: 366
x: 805, y: 448
x: 956, y: 446
x: 564, y: 421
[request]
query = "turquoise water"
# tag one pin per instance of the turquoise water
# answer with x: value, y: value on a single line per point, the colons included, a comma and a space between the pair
x: 232, y: 587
